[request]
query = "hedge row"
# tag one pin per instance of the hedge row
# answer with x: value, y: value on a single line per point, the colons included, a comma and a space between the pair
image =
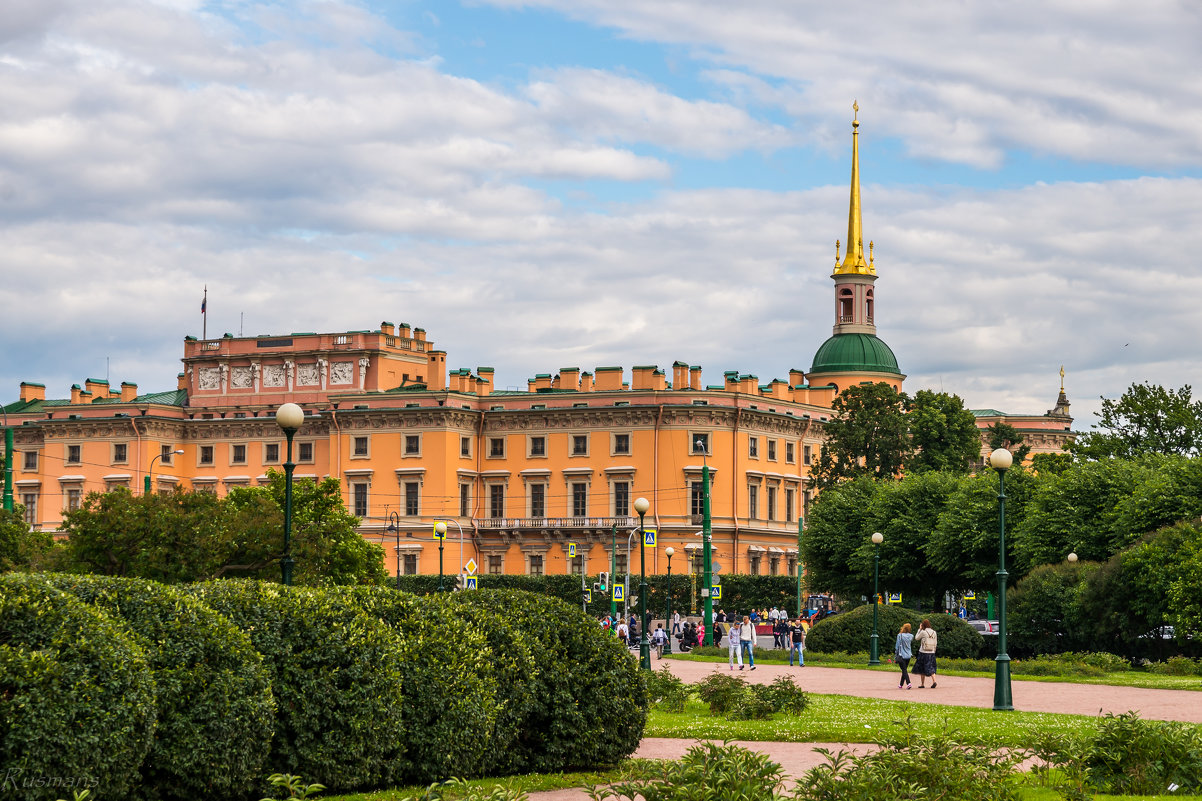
x: 850, y: 632
x: 136, y: 689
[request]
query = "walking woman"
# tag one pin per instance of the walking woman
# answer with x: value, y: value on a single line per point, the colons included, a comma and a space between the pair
x: 747, y: 640
x: 732, y: 644
x: 902, y: 653
x: 924, y: 664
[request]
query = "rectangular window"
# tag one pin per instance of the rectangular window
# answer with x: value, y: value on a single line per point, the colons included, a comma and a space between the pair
x: 754, y: 564
x: 166, y: 455
x: 579, y: 500
x: 410, y: 564
x: 412, y: 499
x: 73, y: 454
x: 73, y: 498
x: 304, y: 452
x: 496, y: 447
x: 237, y: 454
x: 536, y: 564
x: 772, y: 450
x: 621, y: 444
x: 771, y: 504
x: 359, y: 500
x: 496, y: 500
x: 620, y: 562
x: 465, y: 446
x: 206, y: 454
x: 413, y: 445
x: 30, y: 501
x: 753, y: 501
x: 359, y: 446
x: 790, y: 452
x: 699, y: 444
x: 753, y: 447
x: 576, y: 565
x: 465, y: 500
x: 494, y: 565
x: 696, y: 499
x: 538, y: 500
x: 621, y: 499
x: 774, y: 566
x: 790, y: 499
x: 538, y: 446
x: 806, y: 454
x: 120, y: 453
x: 31, y: 460
x: 271, y: 453
x: 580, y: 444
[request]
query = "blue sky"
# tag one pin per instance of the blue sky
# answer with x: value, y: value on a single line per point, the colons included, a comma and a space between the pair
x: 551, y: 183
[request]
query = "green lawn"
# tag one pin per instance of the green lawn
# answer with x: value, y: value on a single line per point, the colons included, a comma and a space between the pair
x: 841, y: 718
x: 531, y: 783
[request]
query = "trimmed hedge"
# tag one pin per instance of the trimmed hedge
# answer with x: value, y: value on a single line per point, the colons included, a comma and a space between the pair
x: 77, y: 700
x: 215, y: 706
x: 590, y: 697
x: 850, y: 632
x: 448, y: 681
x: 337, y: 677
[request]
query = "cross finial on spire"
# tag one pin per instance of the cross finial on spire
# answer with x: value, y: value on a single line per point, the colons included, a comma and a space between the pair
x: 1062, y: 378
x: 855, y: 107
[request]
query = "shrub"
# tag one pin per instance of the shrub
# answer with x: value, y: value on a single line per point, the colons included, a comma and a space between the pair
x: 851, y: 631
x: 665, y: 691
x: 215, y: 706
x: 785, y: 696
x: 720, y: 691
x: 448, y: 682
x: 1177, y: 666
x: 912, y: 766
x: 1131, y: 756
x: 336, y: 674
x: 706, y: 771
x: 751, y: 704
x: 590, y: 697
x: 77, y: 705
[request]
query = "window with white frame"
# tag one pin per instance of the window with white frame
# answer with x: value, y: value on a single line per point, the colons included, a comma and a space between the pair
x: 359, y: 447
x: 166, y: 455
x: 753, y: 447
x: 621, y: 445
x: 537, y: 447
x: 413, y: 445
x: 205, y: 454
x: 772, y: 450
x: 271, y: 453
x: 238, y: 453
x: 790, y: 452
x: 790, y: 502
x: 580, y: 444
x: 753, y: 501
x: 538, y: 499
x: 30, y: 501
x: 496, y: 565
x: 496, y: 447
x: 770, y: 498
x: 465, y: 447
x: 579, y: 499
x: 359, y: 499
x: 699, y: 443
x: 120, y: 453
x: 412, y: 498
x: 410, y: 564
x: 73, y: 454
x: 807, y: 454
x: 74, y: 496
x: 304, y: 452
x: 465, y: 499
x: 535, y: 562
x: 31, y: 461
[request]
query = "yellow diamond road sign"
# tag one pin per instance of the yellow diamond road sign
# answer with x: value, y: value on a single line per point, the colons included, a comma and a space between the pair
x: 470, y: 567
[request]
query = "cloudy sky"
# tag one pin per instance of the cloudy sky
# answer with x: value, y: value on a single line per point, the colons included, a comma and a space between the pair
x: 606, y: 182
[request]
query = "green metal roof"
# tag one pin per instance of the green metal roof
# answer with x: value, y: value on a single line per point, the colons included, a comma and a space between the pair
x: 987, y: 413
x: 172, y: 397
x: 854, y: 353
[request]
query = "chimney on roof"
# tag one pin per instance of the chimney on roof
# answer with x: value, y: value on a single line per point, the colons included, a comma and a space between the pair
x: 436, y: 371
x: 76, y: 393
x: 680, y: 375
x: 484, y: 381
x: 387, y: 328
x: 128, y: 391
x: 96, y: 387
x: 32, y: 392
x: 586, y: 382
x: 694, y: 377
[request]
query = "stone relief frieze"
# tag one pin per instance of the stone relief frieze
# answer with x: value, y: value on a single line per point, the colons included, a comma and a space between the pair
x: 274, y: 375
x: 210, y: 378
x: 306, y: 375
x: 242, y: 378
x: 342, y: 373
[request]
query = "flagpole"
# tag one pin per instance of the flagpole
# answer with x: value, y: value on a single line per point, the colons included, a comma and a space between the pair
x: 204, y: 313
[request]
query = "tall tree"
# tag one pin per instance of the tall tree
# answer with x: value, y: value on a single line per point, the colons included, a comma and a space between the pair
x: 943, y: 433
x: 1004, y: 435
x: 867, y: 436
x: 21, y: 548
x: 1146, y: 419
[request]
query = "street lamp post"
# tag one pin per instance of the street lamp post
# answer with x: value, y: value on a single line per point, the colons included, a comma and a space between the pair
x: 707, y: 531
x: 150, y: 469
x: 1000, y: 460
x: 8, y: 463
x: 668, y: 595
x: 440, y: 530
x: 289, y: 417
x: 641, y: 505
x: 394, y: 525
x: 874, y: 657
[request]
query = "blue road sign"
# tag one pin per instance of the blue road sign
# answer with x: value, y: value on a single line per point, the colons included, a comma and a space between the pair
x: 716, y: 592
x: 618, y: 592
x: 649, y: 538
x: 471, y: 583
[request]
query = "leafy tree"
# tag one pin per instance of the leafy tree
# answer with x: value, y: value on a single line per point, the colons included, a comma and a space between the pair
x: 833, y: 536
x: 867, y: 436
x: 907, y: 512
x: 1051, y: 463
x: 1147, y: 419
x: 195, y: 536
x: 1004, y: 435
x: 1045, y: 615
x: 943, y: 433
x: 1185, y: 590
x: 21, y: 548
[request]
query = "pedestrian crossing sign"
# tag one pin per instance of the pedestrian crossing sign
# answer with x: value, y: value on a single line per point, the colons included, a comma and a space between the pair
x: 649, y: 537
x: 895, y: 597
x: 588, y: 596
x: 970, y: 596
x: 571, y: 550
x: 716, y: 592
x: 618, y: 592
x: 470, y: 583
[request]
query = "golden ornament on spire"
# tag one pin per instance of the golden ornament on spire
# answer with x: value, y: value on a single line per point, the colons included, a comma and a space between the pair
x: 854, y: 262
x: 1062, y: 378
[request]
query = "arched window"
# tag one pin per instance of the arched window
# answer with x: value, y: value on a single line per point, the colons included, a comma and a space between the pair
x: 868, y: 304
x: 846, y: 308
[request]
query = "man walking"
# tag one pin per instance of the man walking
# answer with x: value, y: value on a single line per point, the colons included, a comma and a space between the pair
x: 798, y: 634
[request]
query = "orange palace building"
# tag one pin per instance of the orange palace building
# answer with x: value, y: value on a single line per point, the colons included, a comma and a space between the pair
x: 516, y: 475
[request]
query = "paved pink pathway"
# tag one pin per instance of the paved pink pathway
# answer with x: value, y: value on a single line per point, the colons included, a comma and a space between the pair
x: 1030, y: 696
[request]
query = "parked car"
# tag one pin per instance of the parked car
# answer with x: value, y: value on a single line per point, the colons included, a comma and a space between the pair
x: 986, y: 628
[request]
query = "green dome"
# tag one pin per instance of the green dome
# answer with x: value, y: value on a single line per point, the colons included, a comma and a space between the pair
x: 854, y: 353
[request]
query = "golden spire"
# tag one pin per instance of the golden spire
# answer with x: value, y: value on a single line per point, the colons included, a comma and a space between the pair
x: 854, y: 262
x: 1062, y: 379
